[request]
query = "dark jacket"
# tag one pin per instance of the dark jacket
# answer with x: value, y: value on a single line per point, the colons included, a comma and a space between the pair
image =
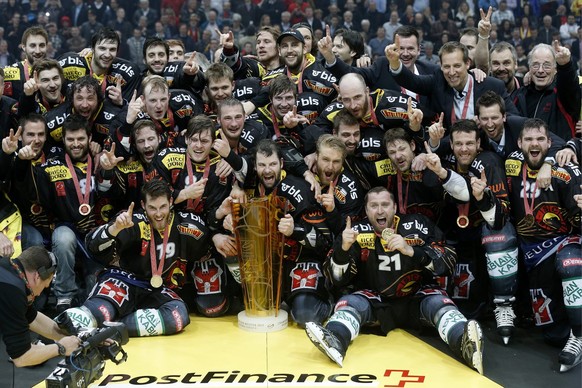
x: 558, y: 105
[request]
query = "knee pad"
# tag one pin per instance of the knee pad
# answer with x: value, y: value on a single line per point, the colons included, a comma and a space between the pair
x: 433, y: 307
x: 101, y: 309
x: 172, y: 317
x: 501, y: 252
x: 569, y: 267
x: 306, y: 307
x: 82, y: 318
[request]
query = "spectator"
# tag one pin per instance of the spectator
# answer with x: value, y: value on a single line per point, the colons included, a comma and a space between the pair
x: 503, y: 13
x: 379, y: 43
x: 55, y: 39
x: 249, y: 12
x: 188, y: 9
x: 150, y: 14
x: 314, y: 23
x: 429, y: 55
x: 14, y: 32
x: 274, y: 8
x: 505, y: 31
x: 348, y: 21
x: 78, y: 13
x: 102, y: 11
x: 375, y: 17
x: 135, y: 44
x: 121, y: 24
x: 547, y: 31
x: 285, y: 21
x: 444, y: 25
x: 54, y: 10
x: 560, y: 17
x: 463, y: 12
x: 392, y: 25
x: 569, y: 31
x: 185, y: 37
x: 212, y: 24
x: 91, y: 26
x: 6, y: 59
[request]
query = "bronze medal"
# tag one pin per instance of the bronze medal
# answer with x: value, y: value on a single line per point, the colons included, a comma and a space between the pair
x: 156, y: 281
x: 35, y: 209
x: 84, y: 209
x: 462, y: 221
x: 386, y: 233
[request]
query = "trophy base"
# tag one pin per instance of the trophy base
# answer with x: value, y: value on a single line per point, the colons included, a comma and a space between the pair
x: 263, y: 324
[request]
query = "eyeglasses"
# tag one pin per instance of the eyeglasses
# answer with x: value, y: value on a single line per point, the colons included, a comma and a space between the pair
x: 546, y: 66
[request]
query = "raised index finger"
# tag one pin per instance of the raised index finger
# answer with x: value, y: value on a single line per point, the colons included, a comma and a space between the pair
x: 327, y: 32
x: 348, y: 223
x: 130, y: 210
x: 409, y: 107
x: 397, y: 41
x: 118, y: 81
x: 483, y: 176
x: 427, y: 148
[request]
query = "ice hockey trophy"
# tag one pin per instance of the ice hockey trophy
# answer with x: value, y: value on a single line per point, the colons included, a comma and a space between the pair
x: 260, y: 256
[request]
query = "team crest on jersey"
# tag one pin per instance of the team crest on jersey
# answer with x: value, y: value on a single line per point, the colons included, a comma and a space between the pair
x: 319, y: 88
x: 190, y: 230
x: 115, y: 290
x: 550, y: 218
x: 207, y: 277
x: 340, y: 194
x: 408, y: 284
x: 394, y: 113
x: 541, y: 307
x: 462, y: 281
x: 305, y: 276
x: 185, y: 111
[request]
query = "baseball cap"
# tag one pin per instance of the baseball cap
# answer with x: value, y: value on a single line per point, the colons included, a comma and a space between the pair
x: 293, y: 33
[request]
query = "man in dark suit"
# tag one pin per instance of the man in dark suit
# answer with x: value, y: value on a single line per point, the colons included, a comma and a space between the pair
x: 378, y: 75
x: 79, y: 13
x: 453, y: 90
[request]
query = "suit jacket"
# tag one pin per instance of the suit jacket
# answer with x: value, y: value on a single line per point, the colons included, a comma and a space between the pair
x: 441, y: 95
x: 378, y: 76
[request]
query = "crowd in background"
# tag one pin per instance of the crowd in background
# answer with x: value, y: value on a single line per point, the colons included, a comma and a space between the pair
x: 71, y: 23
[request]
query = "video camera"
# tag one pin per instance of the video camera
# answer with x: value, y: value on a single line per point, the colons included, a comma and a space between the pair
x: 87, y: 363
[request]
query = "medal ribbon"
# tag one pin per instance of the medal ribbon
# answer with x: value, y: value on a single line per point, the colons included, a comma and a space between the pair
x: 402, y: 203
x: 82, y: 197
x: 275, y: 123
x: 192, y: 204
x: 158, y: 269
x: 528, y: 207
x: 466, y: 105
x: 373, y: 117
x: 299, y: 76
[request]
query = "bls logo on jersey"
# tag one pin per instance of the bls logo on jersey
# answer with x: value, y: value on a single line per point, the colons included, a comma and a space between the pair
x: 294, y: 192
x: 124, y: 68
x: 243, y: 91
x: 307, y: 101
x: 370, y: 143
x: 541, y: 306
x: 417, y: 225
